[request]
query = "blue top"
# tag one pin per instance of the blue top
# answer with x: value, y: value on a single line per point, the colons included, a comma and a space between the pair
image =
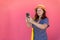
x: 40, y: 34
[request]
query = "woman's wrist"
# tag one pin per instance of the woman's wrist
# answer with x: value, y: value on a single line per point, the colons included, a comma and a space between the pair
x: 33, y: 22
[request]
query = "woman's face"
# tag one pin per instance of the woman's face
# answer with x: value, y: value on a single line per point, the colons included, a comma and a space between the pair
x: 39, y: 12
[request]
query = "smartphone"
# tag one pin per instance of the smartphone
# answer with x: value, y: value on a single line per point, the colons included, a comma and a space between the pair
x: 27, y: 15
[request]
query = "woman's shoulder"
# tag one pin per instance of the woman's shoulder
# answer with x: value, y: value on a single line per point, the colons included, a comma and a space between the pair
x: 45, y: 19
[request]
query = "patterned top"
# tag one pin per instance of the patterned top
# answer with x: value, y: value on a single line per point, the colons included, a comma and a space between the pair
x: 40, y: 34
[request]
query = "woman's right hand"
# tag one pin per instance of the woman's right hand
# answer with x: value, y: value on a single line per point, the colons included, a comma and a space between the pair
x: 27, y: 19
x: 27, y: 22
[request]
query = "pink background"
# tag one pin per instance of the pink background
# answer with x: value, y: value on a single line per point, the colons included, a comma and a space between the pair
x: 12, y: 18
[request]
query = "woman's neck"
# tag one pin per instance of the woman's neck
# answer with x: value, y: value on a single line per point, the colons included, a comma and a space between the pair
x: 39, y: 17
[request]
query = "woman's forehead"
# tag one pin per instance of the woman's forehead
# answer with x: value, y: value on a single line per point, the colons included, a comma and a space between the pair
x: 39, y: 9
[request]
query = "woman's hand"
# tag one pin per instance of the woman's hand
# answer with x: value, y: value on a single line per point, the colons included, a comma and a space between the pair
x: 27, y: 19
x: 31, y: 20
x: 28, y: 22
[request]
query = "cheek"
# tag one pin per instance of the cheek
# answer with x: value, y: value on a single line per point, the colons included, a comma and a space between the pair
x: 38, y: 12
x: 41, y: 12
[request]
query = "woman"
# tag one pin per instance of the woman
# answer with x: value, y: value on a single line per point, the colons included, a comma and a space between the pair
x: 39, y: 24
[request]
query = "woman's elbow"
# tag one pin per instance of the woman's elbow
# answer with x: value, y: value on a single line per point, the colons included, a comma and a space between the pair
x: 43, y: 27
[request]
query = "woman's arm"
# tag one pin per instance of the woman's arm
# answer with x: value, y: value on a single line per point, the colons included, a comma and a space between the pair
x: 41, y: 26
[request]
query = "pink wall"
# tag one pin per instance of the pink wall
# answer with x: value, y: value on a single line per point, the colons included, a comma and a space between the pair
x: 12, y: 18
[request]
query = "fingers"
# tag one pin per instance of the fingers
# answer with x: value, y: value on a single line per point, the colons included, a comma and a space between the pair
x: 27, y: 19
